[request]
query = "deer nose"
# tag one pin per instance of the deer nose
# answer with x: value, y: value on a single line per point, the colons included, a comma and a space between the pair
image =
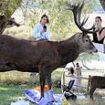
x: 96, y: 50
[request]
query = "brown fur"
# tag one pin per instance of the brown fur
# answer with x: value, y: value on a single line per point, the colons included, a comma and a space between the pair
x: 95, y: 82
x: 41, y: 56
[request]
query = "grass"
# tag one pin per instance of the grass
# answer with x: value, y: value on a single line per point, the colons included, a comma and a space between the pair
x: 87, y: 102
x: 11, y: 88
x: 11, y: 92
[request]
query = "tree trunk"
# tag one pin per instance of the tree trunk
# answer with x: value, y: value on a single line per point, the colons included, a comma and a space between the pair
x: 102, y: 3
x: 7, y: 8
x: 3, y: 24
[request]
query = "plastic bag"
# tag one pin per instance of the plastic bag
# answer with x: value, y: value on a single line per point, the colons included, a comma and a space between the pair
x: 34, y: 96
x: 58, y: 99
x: 20, y: 102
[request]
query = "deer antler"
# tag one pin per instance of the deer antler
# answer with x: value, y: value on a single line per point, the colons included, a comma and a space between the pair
x: 76, y: 9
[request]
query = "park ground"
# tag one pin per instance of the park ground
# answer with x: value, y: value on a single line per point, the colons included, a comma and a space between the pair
x: 10, y: 92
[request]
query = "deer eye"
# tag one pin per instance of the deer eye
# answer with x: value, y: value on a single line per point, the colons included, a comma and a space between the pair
x: 87, y: 40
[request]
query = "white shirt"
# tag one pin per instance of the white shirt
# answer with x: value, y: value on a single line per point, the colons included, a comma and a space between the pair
x: 37, y: 32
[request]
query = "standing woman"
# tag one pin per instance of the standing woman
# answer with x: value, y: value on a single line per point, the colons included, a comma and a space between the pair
x: 99, y: 36
x: 41, y: 31
x: 78, y: 73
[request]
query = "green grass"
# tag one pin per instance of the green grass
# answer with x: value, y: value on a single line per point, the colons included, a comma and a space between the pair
x: 87, y: 102
x: 11, y: 92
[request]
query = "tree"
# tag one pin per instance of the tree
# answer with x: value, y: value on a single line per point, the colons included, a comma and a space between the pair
x: 61, y: 19
x: 102, y: 3
x: 7, y: 8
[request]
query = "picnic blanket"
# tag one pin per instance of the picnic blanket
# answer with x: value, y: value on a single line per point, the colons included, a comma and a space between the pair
x: 49, y: 97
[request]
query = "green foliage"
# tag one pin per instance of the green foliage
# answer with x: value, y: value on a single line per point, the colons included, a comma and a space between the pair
x: 8, y: 7
x: 59, y: 17
x: 61, y: 20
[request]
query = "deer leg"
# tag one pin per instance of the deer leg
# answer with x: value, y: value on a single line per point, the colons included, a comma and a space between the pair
x: 42, y: 81
x: 91, y: 92
x: 49, y: 80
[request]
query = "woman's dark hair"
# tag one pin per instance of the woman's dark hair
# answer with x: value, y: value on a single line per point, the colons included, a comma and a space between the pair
x: 98, y: 17
x: 46, y: 17
x: 72, y: 70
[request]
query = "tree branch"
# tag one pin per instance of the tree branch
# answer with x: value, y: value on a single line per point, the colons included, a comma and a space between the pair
x: 7, y: 8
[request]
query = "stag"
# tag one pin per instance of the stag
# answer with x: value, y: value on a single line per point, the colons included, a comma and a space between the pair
x: 95, y: 82
x: 44, y: 56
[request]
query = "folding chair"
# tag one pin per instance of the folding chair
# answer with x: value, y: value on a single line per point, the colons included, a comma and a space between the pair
x: 67, y: 91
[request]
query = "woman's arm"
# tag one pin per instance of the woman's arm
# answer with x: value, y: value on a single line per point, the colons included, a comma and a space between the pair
x: 37, y: 32
x: 102, y: 35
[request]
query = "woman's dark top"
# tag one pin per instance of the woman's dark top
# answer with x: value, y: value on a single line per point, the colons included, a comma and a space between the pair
x: 95, y: 37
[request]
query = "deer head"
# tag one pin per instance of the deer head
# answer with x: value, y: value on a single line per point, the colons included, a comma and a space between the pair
x: 83, y: 40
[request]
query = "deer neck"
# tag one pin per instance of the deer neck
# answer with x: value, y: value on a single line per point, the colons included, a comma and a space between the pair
x: 68, y: 51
